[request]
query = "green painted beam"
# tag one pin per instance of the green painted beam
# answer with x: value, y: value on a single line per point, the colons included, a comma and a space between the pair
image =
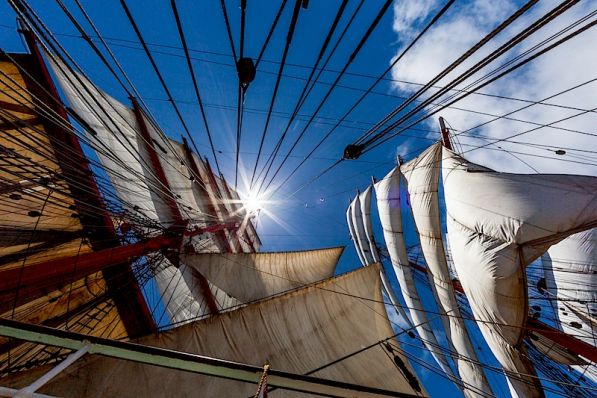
x: 188, y: 362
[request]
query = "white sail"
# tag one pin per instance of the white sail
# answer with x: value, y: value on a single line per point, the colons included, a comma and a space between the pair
x: 253, y: 276
x: 245, y: 232
x: 230, y: 212
x: 570, y: 268
x: 359, y: 230
x: 422, y: 180
x: 498, y: 224
x: 353, y: 234
x: 367, y: 230
x: 182, y: 294
x: 113, y: 128
x: 298, y: 332
x: 388, y: 204
x: 365, y: 200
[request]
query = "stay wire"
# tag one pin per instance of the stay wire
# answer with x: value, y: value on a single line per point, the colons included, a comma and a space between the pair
x: 349, y: 61
x: 289, y: 37
x: 158, y: 73
x: 26, y: 8
x: 183, y: 41
x: 302, y: 95
x: 488, y: 75
x: 369, y: 89
x: 506, y: 72
x: 363, y: 141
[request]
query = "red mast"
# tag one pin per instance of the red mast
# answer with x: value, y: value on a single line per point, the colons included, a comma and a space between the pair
x: 99, y: 227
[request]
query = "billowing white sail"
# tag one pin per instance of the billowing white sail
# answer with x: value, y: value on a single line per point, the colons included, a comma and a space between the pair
x: 570, y: 269
x: 353, y: 234
x: 253, y: 276
x: 387, y: 191
x: 365, y: 200
x: 299, y: 332
x: 359, y: 230
x: 365, y: 229
x: 498, y: 224
x: 422, y: 181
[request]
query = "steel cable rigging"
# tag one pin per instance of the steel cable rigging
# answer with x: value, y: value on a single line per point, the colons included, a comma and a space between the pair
x: 289, y: 37
x: 302, y: 96
x: 364, y: 95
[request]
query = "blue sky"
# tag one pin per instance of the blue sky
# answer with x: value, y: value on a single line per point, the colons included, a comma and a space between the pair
x: 315, y: 216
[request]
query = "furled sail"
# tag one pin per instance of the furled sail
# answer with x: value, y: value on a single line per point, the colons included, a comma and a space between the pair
x: 570, y: 268
x: 387, y: 191
x: 422, y: 181
x: 304, y: 331
x: 498, y: 224
x: 253, y: 276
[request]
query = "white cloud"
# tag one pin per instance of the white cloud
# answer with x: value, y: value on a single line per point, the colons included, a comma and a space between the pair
x: 570, y: 64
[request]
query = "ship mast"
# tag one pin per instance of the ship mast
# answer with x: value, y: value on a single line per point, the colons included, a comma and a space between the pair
x: 134, y: 312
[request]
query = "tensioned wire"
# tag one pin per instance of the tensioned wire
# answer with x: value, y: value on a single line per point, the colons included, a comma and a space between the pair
x: 464, y: 95
x: 109, y: 117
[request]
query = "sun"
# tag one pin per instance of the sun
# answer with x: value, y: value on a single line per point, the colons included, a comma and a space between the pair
x: 253, y: 203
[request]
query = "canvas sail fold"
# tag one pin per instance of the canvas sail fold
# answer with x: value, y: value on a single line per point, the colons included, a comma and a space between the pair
x: 252, y: 276
x: 369, y: 241
x: 356, y: 215
x: 353, y: 234
x: 422, y: 182
x: 570, y: 269
x: 299, y: 332
x: 365, y: 229
x: 498, y: 224
x: 114, y: 129
x: 387, y: 191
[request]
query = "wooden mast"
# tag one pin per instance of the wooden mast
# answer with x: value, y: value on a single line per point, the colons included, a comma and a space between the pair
x: 179, y: 222
x: 95, y: 219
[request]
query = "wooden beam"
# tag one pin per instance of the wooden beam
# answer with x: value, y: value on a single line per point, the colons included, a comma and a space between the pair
x: 98, y: 226
x: 35, y: 280
x: 187, y: 362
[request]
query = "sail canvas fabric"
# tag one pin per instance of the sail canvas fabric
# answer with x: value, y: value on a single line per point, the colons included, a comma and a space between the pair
x: 368, y: 232
x: 422, y: 182
x: 253, y: 276
x: 369, y: 242
x: 353, y: 234
x: 114, y: 129
x: 570, y: 269
x: 299, y: 332
x: 387, y: 191
x: 498, y: 224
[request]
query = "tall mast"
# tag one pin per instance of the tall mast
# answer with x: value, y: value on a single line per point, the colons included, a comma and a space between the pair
x: 179, y: 222
x: 445, y: 134
x: 130, y: 302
